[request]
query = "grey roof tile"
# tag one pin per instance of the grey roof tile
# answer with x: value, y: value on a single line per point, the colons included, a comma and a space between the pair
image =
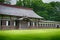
x: 18, y: 12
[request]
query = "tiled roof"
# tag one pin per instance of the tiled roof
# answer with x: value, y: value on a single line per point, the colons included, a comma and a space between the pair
x: 17, y: 11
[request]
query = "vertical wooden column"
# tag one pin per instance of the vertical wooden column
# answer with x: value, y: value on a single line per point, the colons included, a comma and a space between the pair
x: 3, y: 24
x: 0, y: 24
x: 12, y: 24
x: 54, y: 25
x: 51, y: 25
x: 41, y: 25
x: 46, y: 25
x: 19, y: 24
x: 37, y: 24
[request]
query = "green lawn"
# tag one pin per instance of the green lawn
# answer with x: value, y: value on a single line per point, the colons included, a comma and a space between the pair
x: 35, y: 34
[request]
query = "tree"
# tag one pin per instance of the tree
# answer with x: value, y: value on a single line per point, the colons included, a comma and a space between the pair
x: 2, y: 1
x: 50, y: 11
x: 19, y: 3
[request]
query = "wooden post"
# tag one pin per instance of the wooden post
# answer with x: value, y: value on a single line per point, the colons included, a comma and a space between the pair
x: 37, y: 24
x: 0, y: 24
x: 19, y: 24
x: 33, y: 24
x: 12, y: 24
x: 46, y: 25
x: 3, y: 24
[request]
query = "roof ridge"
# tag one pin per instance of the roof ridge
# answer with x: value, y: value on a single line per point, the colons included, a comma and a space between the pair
x: 15, y: 6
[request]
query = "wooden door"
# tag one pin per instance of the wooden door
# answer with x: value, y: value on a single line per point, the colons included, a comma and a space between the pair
x: 24, y: 25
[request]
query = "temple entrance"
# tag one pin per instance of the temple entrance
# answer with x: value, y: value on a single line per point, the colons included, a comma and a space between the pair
x: 24, y: 24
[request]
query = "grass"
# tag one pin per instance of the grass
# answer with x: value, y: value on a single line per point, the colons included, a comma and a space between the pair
x: 35, y: 34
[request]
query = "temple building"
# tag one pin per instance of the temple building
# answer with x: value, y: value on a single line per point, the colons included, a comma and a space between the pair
x: 15, y: 17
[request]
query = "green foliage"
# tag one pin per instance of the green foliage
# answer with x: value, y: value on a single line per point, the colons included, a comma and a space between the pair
x: 19, y: 3
x: 50, y: 11
x: 1, y: 0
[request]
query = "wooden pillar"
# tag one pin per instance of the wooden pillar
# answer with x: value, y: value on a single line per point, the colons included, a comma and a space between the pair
x: 51, y: 25
x: 3, y: 24
x: 46, y: 25
x: 0, y: 24
x: 19, y: 24
x: 41, y: 24
x: 12, y: 24
x: 54, y: 25
x: 37, y: 24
